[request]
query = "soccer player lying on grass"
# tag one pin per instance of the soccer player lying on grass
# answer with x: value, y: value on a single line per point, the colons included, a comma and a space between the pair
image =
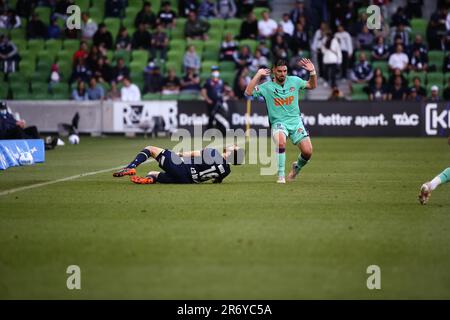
x: 281, y: 97
x: 428, y: 187
x: 187, y: 167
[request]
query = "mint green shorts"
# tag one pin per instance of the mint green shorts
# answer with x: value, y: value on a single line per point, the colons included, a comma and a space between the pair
x: 295, y: 132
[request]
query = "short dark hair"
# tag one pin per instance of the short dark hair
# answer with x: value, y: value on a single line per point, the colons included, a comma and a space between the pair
x: 280, y: 63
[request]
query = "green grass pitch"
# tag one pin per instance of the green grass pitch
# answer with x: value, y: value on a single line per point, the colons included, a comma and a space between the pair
x: 353, y: 206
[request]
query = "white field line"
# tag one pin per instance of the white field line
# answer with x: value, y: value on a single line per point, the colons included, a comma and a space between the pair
x: 43, y: 184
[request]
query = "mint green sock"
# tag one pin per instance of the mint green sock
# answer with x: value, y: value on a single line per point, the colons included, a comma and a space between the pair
x: 301, y: 162
x: 281, y: 162
x: 445, y: 176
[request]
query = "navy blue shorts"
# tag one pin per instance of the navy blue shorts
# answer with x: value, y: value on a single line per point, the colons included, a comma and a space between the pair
x: 175, y: 169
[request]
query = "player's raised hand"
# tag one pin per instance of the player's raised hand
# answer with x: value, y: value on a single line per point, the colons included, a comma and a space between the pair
x: 264, y: 72
x: 306, y: 64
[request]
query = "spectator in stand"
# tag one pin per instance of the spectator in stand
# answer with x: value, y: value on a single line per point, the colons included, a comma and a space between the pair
x: 115, y: 8
x: 259, y: 61
x: 280, y: 48
x: 265, y: 51
x: 380, y: 51
x: 436, y: 28
x: 446, y: 94
x: 266, y: 26
x: 399, y: 17
x: 300, y: 39
x: 88, y: 26
x: 287, y: 25
x: 55, y: 75
x: 94, y: 55
x: 160, y: 43
x: 186, y: 6
x: 395, y: 74
x: 146, y: 16
x: 166, y: 16
x: 298, y: 11
x: 378, y: 73
x: 153, y: 80
x: 3, y: 18
x: 393, y: 47
x: 245, y: 7
x: 364, y: 39
x: 434, y: 94
x: 142, y: 39
x: 80, y: 92
x: 103, y: 71
x: 280, y: 32
x: 419, y: 92
x: 332, y: 58
x: 95, y: 91
x: 10, y: 20
x: 24, y: 8
x: 171, y: 83
x: 384, y: 30
x: 414, y: 8
x: 362, y: 72
x: 113, y: 93
x: 103, y: 36
x: 9, y: 56
x: 82, y: 52
x: 190, y: 83
x: 228, y: 48
x: 418, y: 44
x: 81, y: 71
x: 123, y: 40
x: 120, y: 71
x: 249, y: 27
x: 226, y: 9
x: 336, y: 95
x: 418, y: 62
x: 240, y: 83
x: 403, y: 32
x: 53, y: 31
x: 399, y: 59
x: 36, y: 29
x: 346, y: 43
x: 446, y: 66
x: 191, y: 59
x: 130, y: 92
x: 207, y: 9
x: 243, y: 57
x: 398, y: 92
x: 196, y: 28
x: 318, y: 40
x: 378, y: 92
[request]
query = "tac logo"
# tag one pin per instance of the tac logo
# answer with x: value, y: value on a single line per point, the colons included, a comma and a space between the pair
x: 300, y: 130
x: 283, y: 101
x: 291, y: 89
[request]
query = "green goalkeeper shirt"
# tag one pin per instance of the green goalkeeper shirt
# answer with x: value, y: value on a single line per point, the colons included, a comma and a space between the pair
x: 281, y: 100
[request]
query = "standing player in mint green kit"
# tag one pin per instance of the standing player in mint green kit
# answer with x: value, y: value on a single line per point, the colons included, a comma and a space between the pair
x: 281, y: 96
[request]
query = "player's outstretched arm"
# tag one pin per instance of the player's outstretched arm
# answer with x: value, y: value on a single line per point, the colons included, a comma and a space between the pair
x: 252, y: 84
x: 309, y: 66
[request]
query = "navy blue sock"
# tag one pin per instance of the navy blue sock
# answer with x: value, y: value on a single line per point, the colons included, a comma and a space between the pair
x: 141, y: 157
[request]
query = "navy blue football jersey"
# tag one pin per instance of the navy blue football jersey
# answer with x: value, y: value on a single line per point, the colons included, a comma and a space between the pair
x: 210, y: 165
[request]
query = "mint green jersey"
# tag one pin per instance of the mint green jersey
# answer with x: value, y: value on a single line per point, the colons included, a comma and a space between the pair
x: 282, y: 101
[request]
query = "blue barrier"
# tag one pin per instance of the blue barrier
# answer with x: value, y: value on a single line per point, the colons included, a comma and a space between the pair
x: 12, y: 150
